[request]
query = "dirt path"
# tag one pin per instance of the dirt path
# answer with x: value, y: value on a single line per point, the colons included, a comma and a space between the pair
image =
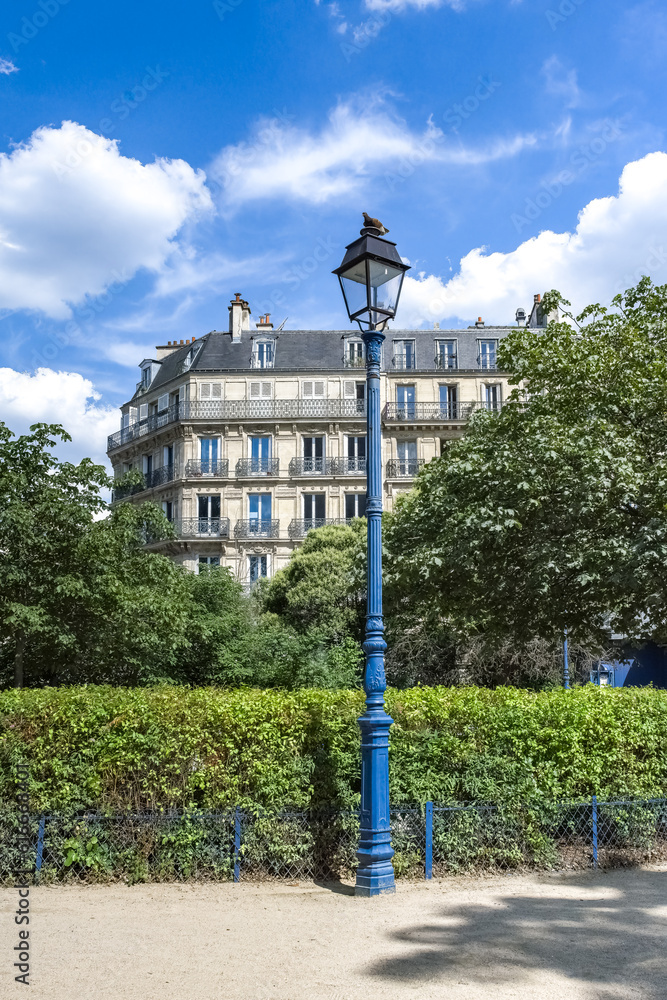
x: 566, y: 936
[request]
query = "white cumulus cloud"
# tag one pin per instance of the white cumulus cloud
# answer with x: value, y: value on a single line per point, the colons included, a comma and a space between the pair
x: 75, y: 215
x: 616, y: 240
x: 58, y: 397
x: 7, y: 67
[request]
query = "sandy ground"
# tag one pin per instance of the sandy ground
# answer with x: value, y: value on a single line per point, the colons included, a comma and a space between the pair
x: 580, y: 936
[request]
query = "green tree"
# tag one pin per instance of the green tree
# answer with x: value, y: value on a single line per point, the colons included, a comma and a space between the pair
x: 552, y: 513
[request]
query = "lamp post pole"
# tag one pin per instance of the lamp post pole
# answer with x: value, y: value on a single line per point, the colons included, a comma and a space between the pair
x: 375, y: 874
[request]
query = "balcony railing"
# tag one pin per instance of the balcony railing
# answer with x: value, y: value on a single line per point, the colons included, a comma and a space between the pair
x: 298, y: 528
x: 202, y: 527
x: 403, y: 362
x: 349, y: 466
x: 446, y: 362
x: 432, y: 412
x: 241, y: 409
x: 257, y: 467
x: 354, y: 362
x: 158, y: 477
x: 123, y: 492
x: 311, y: 467
x: 212, y: 470
x: 404, y: 468
x: 258, y: 362
x: 257, y: 528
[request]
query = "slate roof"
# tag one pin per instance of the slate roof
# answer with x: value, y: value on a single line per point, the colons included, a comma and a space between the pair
x: 315, y: 351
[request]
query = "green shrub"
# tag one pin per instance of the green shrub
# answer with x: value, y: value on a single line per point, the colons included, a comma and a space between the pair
x: 118, y: 749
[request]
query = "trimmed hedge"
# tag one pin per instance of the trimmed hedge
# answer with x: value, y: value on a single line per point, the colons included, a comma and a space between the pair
x: 120, y: 749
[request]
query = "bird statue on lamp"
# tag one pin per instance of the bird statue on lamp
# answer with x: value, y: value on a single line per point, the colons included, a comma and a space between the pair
x: 370, y: 223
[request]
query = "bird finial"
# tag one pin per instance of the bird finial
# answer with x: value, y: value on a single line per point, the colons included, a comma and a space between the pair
x: 370, y: 223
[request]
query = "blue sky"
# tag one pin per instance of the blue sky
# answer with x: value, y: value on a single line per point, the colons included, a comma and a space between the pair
x: 158, y: 157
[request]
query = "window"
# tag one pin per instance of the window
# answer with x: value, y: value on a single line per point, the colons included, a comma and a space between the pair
x: 354, y: 354
x: 405, y: 399
x: 258, y: 567
x: 356, y: 393
x: 208, y: 514
x: 260, y: 454
x: 210, y: 390
x: 404, y: 354
x: 355, y: 505
x: 356, y: 453
x: 143, y: 412
x: 168, y: 455
x: 163, y: 403
x: 313, y: 390
x: 487, y: 353
x: 207, y: 562
x: 446, y: 354
x: 449, y: 402
x: 491, y: 396
x: 263, y: 353
x: 145, y: 377
x: 261, y: 390
x: 190, y: 357
x: 314, y: 506
x: 313, y: 454
x: 208, y: 450
x: 168, y: 509
x: 407, y: 458
x: 259, y: 511
x: 147, y: 465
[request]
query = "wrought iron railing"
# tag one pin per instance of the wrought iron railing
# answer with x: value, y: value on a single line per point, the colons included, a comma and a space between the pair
x: 241, y: 409
x: 257, y: 528
x: 123, y: 492
x: 201, y: 527
x: 257, y: 467
x: 299, y: 527
x: 403, y: 363
x: 446, y: 362
x: 404, y: 468
x: 311, y: 467
x: 354, y: 362
x: 196, y: 470
x: 432, y: 412
x: 349, y: 466
x: 158, y: 477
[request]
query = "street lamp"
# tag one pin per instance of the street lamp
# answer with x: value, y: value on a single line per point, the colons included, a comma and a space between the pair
x: 371, y: 277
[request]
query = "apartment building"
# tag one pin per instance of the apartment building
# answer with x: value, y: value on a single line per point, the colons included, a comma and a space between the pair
x: 250, y: 437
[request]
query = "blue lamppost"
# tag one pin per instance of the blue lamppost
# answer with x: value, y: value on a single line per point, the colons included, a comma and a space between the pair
x: 371, y: 277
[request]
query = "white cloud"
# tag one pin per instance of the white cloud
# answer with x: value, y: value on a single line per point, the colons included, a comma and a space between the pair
x: 617, y: 239
x: 401, y: 5
x: 561, y: 82
x: 7, y: 67
x: 65, y: 398
x: 357, y: 143
x: 75, y: 214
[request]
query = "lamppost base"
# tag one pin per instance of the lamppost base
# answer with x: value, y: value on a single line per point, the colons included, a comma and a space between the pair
x: 375, y: 883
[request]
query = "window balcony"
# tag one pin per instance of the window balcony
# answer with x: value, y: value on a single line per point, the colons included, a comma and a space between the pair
x: 257, y: 528
x: 349, y: 466
x: 299, y: 528
x: 448, y: 362
x: 354, y: 362
x: 209, y: 470
x: 311, y: 467
x: 437, y: 413
x: 252, y: 467
x: 202, y: 527
x: 403, y: 362
x: 404, y: 468
x: 159, y: 477
x: 256, y: 361
x: 123, y: 492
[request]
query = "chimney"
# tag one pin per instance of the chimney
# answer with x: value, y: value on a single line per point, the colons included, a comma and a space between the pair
x: 264, y: 323
x: 520, y: 317
x: 245, y: 315
x: 480, y: 321
x: 236, y: 317
x: 537, y: 298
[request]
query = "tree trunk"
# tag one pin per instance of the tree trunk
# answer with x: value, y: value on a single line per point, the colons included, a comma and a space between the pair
x: 18, y: 660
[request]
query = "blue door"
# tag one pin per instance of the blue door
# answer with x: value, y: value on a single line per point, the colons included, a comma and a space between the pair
x: 260, y: 513
x: 405, y: 398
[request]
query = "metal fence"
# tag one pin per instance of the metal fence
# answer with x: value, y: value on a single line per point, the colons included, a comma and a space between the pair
x: 241, y: 845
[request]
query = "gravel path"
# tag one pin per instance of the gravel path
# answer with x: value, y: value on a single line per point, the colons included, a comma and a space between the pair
x: 590, y: 936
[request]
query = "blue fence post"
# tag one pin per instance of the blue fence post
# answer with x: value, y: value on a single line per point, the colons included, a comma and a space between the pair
x: 237, y: 845
x: 428, y: 864
x: 595, y: 831
x: 40, y: 844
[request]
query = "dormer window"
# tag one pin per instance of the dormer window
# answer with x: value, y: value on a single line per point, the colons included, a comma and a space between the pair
x: 146, y: 377
x: 263, y: 354
x: 190, y: 357
x: 149, y: 369
x: 354, y: 354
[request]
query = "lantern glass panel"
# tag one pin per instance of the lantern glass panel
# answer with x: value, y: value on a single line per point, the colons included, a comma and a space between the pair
x: 353, y: 283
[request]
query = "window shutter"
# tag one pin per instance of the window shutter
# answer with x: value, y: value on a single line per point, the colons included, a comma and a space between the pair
x: 181, y: 393
x: 349, y: 390
x: 204, y: 390
x: 133, y: 414
x: 143, y: 411
x: 255, y: 390
x: 266, y: 390
x: 216, y: 390
x: 307, y: 390
x: 163, y: 402
x: 318, y: 390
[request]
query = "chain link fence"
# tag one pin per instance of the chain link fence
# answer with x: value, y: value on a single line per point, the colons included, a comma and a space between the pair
x: 240, y: 845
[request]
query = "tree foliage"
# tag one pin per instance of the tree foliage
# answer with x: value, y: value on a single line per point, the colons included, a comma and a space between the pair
x: 552, y: 513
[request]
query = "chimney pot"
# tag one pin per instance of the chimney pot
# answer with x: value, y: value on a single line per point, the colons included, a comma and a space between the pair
x: 181, y: 341
x: 537, y: 298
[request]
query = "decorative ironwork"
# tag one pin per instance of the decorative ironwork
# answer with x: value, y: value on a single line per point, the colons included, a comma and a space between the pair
x: 431, y: 412
x: 159, y: 477
x: 123, y: 492
x: 201, y: 527
x: 404, y: 362
x: 257, y: 467
x: 349, y: 466
x: 213, y: 470
x: 404, y: 468
x: 299, y: 528
x: 258, y: 527
x: 311, y: 467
